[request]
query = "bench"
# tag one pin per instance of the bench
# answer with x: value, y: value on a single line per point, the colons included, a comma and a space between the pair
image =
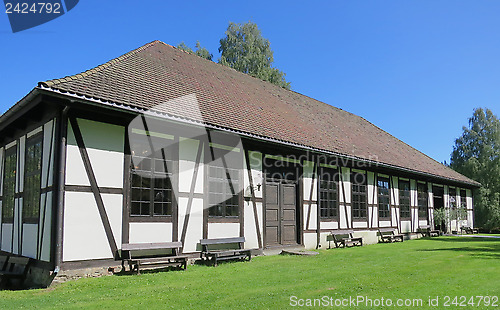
x: 426, y: 231
x: 344, y: 238
x: 13, y: 267
x: 388, y: 235
x: 153, y: 255
x: 469, y: 230
x: 220, y: 249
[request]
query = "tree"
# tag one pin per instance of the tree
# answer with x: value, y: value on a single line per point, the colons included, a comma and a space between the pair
x: 200, y: 51
x: 244, y: 49
x: 476, y: 154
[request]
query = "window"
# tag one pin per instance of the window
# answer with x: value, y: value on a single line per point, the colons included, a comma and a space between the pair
x: 453, y: 198
x: 328, y: 193
x: 151, y: 187
x: 359, y: 206
x: 404, y: 199
x: 463, y: 199
x: 422, y: 200
x: 223, y: 191
x: 384, y: 201
x: 9, y: 184
x: 32, y: 175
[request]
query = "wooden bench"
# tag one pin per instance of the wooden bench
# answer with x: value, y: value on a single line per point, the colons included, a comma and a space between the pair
x: 13, y: 267
x: 426, y: 231
x: 469, y: 230
x: 219, y: 249
x: 344, y: 238
x: 153, y: 255
x: 388, y: 235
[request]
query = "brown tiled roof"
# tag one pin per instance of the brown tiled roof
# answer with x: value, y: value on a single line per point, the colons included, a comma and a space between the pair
x: 156, y: 73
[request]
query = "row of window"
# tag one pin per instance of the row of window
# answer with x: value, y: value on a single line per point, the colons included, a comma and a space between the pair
x: 32, y: 181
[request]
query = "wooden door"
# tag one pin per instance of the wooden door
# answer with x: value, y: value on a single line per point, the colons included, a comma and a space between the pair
x: 281, y: 213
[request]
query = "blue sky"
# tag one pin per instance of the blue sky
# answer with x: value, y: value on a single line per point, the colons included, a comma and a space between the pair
x: 417, y: 69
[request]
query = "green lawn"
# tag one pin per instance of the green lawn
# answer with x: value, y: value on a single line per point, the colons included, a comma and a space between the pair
x: 417, y: 269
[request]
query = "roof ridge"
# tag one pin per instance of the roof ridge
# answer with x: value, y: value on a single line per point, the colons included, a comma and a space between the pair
x: 99, y: 68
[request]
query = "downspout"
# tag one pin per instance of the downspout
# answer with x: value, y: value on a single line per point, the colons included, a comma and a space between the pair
x: 60, y: 174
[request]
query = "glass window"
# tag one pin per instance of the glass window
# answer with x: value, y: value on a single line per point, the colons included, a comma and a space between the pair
x: 359, y: 194
x: 404, y: 199
x: 328, y: 193
x: 151, y: 187
x: 453, y: 198
x: 463, y: 199
x: 9, y: 184
x: 384, y: 204
x: 223, y: 191
x: 32, y: 175
x: 422, y: 200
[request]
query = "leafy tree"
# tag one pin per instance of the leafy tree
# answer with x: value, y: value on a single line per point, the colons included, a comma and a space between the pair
x: 476, y: 154
x: 200, y: 51
x: 244, y: 49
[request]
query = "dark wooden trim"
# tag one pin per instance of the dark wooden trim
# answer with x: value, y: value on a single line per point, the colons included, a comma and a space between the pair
x: 191, y: 193
x: 46, y: 190
x: 127, y: 162
x: 341, y: 175
x: 174, y: 182
x: 150, y: 219
x: 83, y: 264
x: 18, y: 220
x: 216, y: 219
x: 93, y: 184
x: 311, y: 190
x: 257, y: 199
x: 374, y: 205
x: 195, y: 195
x: 253, y: 198
x: 88, y: 189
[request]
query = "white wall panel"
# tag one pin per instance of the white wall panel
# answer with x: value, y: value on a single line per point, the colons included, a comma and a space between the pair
x: 29, y: 241
x: 83, y: 235
x: 48, y: 153
x: 257, y: 175
x: 405, y: 226
x: 45, y: 243
x: 251, y: 240
x: 360, y: 225
x: 194, y: 230
x: 188, y: 150
x: 150, y: 232
x: 310, y: 240
x: 223, y: 230
x: 7, y: 230
x: 329, y: 225
x: 75, y: 170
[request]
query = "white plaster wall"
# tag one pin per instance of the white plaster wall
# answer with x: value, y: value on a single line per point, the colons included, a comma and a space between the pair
x: 405, y: 226
x: 330, y: 225
x: 360, y: 225
x: 310, y: 241
x: 195, y: 225
x: 75, y: 170
x: 257, y: 175
x: 29, y: 243
x: 385, y: 224
x: 223, y: 230
x: 47, y: 227
x: 48, y: 152
x: 188, y: 149
x: 150, y: 232
x: 83, y: 235
x: 7, y: 230
x: 250, y: 229
x: 313, y: 209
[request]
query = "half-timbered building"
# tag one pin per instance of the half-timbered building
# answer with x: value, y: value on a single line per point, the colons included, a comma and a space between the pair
x: 160, y: 145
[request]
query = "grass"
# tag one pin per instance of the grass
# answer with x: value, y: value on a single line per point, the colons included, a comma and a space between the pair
x: 417, y: 269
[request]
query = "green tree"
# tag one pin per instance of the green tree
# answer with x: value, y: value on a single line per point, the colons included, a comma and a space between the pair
x: 244, y: 49
x: 200, y: 51
x: 476, y: 154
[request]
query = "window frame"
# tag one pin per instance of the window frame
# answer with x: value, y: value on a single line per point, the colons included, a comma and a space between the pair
x: 331, y: 211
x: 386, y: 214
x: 408, y: 197
x: 34, y: 215
x: 423, y: 207
x: 11, y: 151
x: 361, y: 194
x: 168, y: 162
x: 226, y: 184
x: 463, y: 199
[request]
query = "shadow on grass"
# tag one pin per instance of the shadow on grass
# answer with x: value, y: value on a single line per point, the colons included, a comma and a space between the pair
x: 489, y: 250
